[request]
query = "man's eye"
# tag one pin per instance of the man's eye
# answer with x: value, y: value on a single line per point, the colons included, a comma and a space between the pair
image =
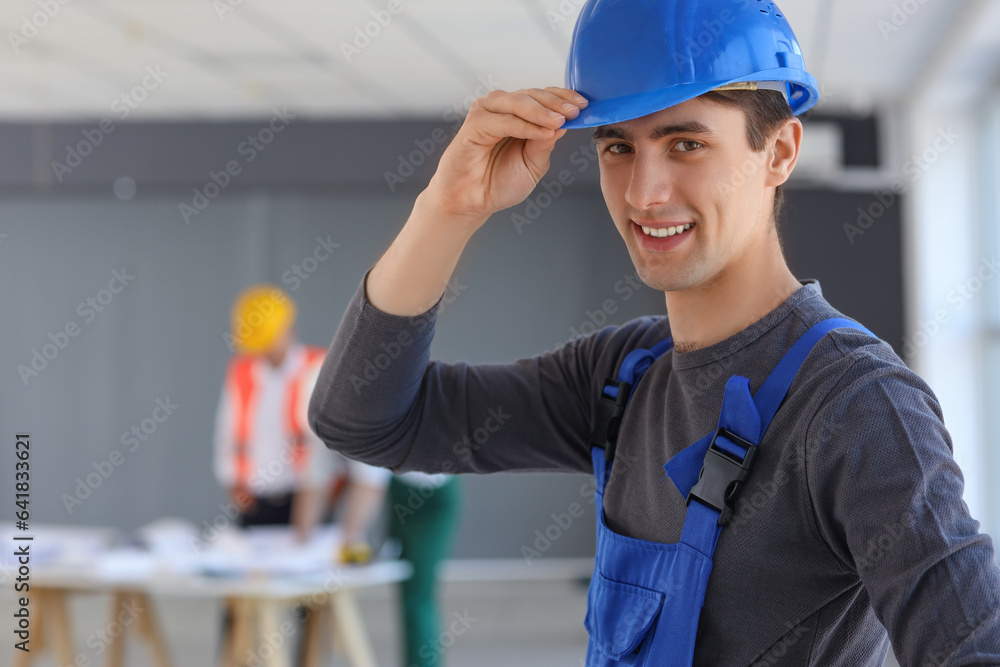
x: 617, y: 149
x: 688, y: 146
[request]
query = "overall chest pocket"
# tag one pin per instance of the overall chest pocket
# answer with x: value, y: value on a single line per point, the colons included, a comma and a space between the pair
x: 619, y: 616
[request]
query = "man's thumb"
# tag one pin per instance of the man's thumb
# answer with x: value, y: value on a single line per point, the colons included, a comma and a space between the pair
x: 537, y: 152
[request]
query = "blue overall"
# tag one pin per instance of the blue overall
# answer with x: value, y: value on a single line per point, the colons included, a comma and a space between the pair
x: 645, y: 598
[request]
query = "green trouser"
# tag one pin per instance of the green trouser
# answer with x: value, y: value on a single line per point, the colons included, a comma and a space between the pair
x: 424, y: 521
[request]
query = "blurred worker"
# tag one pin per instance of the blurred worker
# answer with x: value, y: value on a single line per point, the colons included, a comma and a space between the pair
x: 267, y: 458
x: 425, y: 512
x: 272, y: 465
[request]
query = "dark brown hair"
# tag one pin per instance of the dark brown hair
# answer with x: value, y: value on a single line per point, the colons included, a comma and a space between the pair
x: 765, y: 112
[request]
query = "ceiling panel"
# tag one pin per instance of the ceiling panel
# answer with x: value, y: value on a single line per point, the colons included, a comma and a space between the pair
x: 427, y: 58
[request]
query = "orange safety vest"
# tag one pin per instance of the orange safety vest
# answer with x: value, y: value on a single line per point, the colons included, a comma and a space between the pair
x: 242, y: 387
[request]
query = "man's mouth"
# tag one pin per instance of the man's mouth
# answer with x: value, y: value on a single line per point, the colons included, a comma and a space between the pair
x: 663, y: 232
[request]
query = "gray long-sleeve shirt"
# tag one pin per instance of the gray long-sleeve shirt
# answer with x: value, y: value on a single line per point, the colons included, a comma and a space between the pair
x: 851, y: 521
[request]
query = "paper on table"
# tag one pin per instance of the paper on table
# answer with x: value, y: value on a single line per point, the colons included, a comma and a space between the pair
x: 270, y: 550
x: 53, y: 544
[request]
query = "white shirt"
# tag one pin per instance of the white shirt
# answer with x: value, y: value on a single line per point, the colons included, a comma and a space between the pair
x: 269, y: 447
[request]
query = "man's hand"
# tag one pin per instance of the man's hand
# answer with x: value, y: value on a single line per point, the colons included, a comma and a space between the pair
x: 243, y: 499
x: 501, y: 151
x: 497, y: 158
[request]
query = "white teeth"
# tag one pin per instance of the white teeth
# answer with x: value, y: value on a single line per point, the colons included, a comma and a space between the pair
x: 662, y: 232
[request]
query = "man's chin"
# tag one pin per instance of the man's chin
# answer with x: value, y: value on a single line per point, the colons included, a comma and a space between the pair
x: 665, y: 281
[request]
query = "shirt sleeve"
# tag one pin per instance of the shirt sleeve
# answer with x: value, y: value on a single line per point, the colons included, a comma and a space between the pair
x: 323, y: 464
x: 224, y: 442
x: 379, y: 399
x: 888, y: 500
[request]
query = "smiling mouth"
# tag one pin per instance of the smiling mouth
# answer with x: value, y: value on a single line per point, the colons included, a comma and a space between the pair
x: 663, y: 232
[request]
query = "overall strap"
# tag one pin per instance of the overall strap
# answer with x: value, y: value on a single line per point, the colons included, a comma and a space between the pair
x: 614, y: 398
x: 772, y: 392
x: 711, y: 471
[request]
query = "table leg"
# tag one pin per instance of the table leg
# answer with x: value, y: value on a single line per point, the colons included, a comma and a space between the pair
x: 269, y: 627
x: 50, y: 604
x: 117, y: 644
x: 348, y: 626
x: 54, y: 604
x: 312, y: 636
x: 228, y: 654
x: 37, y: 637
x: 149, y: 629
x: 244, y: 613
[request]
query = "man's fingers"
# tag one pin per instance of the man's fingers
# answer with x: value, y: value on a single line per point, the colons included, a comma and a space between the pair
x: 544, y: 108
x: 536, y: 153
x: 501, y: 125
x: 569, y: 95
x: 533, y: 113
x: 558, y: 100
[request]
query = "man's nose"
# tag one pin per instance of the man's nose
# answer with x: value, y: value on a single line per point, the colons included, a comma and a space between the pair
x: 649, y: 185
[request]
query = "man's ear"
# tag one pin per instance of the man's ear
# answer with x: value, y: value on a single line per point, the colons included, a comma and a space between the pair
x: 784, y: 152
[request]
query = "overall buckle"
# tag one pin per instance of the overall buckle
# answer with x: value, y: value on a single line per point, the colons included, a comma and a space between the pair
x: 609, y: 416
x: 722, y: 474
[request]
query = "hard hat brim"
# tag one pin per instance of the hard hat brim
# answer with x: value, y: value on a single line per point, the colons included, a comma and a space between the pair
x: 804, y: 95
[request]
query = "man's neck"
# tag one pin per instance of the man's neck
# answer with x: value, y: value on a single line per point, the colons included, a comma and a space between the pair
x: 735, y: 298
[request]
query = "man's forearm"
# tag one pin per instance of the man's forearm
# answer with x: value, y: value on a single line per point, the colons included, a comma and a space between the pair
x: 361, y: 504
x: 412, y: 274
x: 306, y: 507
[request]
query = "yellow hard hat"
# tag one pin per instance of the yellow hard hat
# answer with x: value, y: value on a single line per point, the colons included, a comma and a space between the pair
x: 261, y: 316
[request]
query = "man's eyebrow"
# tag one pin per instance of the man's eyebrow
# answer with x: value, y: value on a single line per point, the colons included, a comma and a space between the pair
x: 683, y: 127
x: 611, y: 132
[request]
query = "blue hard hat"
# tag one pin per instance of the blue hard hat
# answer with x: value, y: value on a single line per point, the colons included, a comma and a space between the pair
x: 631, y: 58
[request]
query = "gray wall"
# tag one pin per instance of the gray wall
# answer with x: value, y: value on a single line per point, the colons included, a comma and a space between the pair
x: 162, y: 336
x: 526, y: 288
